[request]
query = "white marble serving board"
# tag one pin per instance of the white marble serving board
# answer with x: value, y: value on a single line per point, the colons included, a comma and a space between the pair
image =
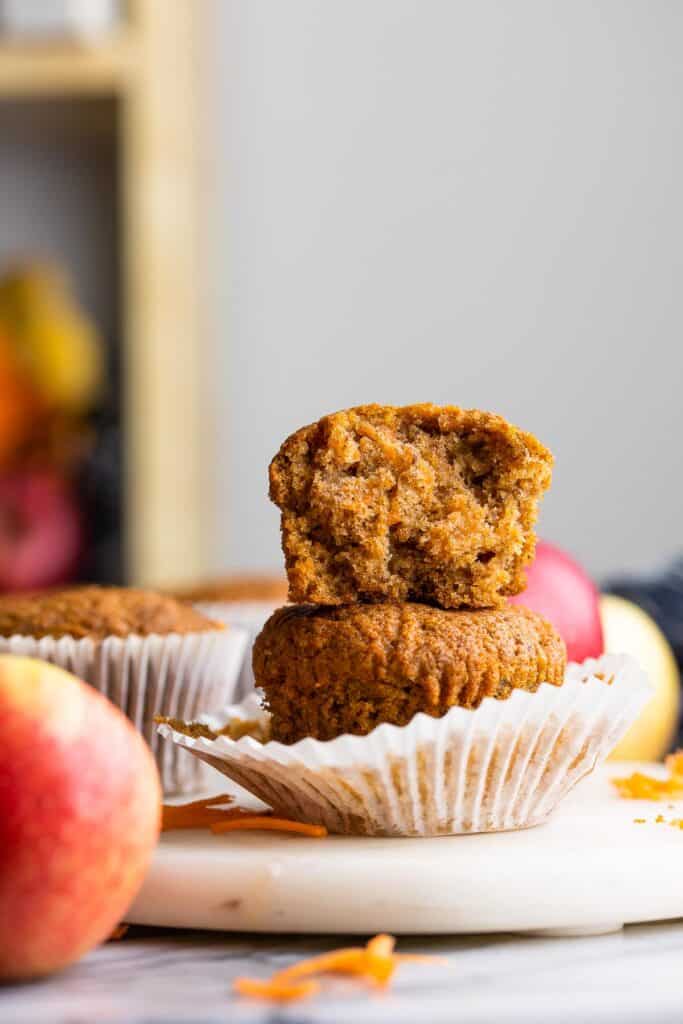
x: 590, y: 869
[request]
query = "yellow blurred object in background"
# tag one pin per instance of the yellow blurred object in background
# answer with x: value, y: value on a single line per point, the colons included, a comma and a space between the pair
x: 58, y: 346
x: 630, y: 630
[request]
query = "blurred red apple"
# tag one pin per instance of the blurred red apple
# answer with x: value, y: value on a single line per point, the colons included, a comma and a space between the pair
x: 79, y: 816
x: 41, y: 531
x: 563, y: 593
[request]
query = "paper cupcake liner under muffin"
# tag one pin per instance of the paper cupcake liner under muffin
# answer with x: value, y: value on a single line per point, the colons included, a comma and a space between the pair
x: 178, y: 675
x: 505, y: 765
x: 248, y: 615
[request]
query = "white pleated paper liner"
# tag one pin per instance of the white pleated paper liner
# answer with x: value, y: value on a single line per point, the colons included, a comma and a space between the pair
x: 178, y: 675
x: 505, y: 765
x: 249, y: 615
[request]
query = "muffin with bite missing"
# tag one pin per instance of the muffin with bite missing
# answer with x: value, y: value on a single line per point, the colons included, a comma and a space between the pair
x: 418, y: 503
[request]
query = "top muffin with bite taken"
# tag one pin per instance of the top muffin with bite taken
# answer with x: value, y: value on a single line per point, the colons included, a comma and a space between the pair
x: 420, y: 503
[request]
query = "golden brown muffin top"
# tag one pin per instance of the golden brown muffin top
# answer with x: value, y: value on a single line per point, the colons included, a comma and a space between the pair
x: 98, y: 612
x: 247, y: 587
x: 330, y: 670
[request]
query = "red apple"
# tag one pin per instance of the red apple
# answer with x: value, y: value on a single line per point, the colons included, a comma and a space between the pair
x: 41, y: 532
x: 80, y: 806
x: 562, y: 592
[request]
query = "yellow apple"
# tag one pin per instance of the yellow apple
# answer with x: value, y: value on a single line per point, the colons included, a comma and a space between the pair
x: 630, y: 630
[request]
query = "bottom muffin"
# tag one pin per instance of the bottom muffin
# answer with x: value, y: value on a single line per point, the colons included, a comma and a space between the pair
x: 326, y: 671
x: 506, y: 764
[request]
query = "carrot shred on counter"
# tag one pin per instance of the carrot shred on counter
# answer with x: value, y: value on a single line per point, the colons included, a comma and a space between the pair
x: 260, y: 821
x: 639, y: 786
x: 375, y: 962
x: 278, y: 991
x: 351, y: 960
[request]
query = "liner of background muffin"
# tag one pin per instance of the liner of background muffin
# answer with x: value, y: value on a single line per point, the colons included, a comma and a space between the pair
x: 175, y: 674
x: 505, y: 765
x: 248, y: 615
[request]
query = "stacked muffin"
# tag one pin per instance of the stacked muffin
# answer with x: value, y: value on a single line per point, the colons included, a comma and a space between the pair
x: 403, y: 694
x: 408, y: 528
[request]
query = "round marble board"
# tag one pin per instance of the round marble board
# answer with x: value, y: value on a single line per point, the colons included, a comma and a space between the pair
x: 591, y: 868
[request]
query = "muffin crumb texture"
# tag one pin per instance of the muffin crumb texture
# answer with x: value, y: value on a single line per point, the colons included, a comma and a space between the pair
x: 418, y: 503
x: 98, y: 612
x: 327, y: 671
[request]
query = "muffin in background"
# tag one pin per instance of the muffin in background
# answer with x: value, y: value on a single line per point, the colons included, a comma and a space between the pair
x: 252, y: 588
x: 245, y: 601
x: 147, y: 652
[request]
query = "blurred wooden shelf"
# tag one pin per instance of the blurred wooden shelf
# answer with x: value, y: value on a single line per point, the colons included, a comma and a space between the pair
x: 66, y: 68
x: 152, y: 68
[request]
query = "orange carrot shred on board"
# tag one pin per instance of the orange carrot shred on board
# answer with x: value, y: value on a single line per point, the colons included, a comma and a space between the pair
x: 278, y: 991
x: 209, y: 801
x: 199, y: 818
x: 260, y: 821
x: 201, y: 813
x: 376, y: 962
x: 639, y: 786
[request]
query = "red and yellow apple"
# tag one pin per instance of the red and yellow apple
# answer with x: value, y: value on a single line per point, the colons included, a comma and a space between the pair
x: 563, y: 593
x: 79, y: 816
x: 630, y: 630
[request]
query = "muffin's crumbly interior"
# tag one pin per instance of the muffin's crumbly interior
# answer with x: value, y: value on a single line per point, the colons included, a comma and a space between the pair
x: 420, y: 503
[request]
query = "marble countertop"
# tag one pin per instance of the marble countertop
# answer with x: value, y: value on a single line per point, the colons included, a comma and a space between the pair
x: 168, y: 976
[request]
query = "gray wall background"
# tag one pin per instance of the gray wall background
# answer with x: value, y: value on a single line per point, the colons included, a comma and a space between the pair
x: 469, y: 202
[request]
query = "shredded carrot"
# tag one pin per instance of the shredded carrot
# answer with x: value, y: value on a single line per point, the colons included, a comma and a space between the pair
x: 222, y: 799
x: 351, y: 960
x: 381, y: 945
x: 201, y: 813
x: 380, y: 958
x: 202, y: 819
x: 376, y: 962
x: 118, y: 932
x: 674, y: 763
x: 639, y: 786
x: 278, y: 991
x: 218, y: 814
x: 260, y: 821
